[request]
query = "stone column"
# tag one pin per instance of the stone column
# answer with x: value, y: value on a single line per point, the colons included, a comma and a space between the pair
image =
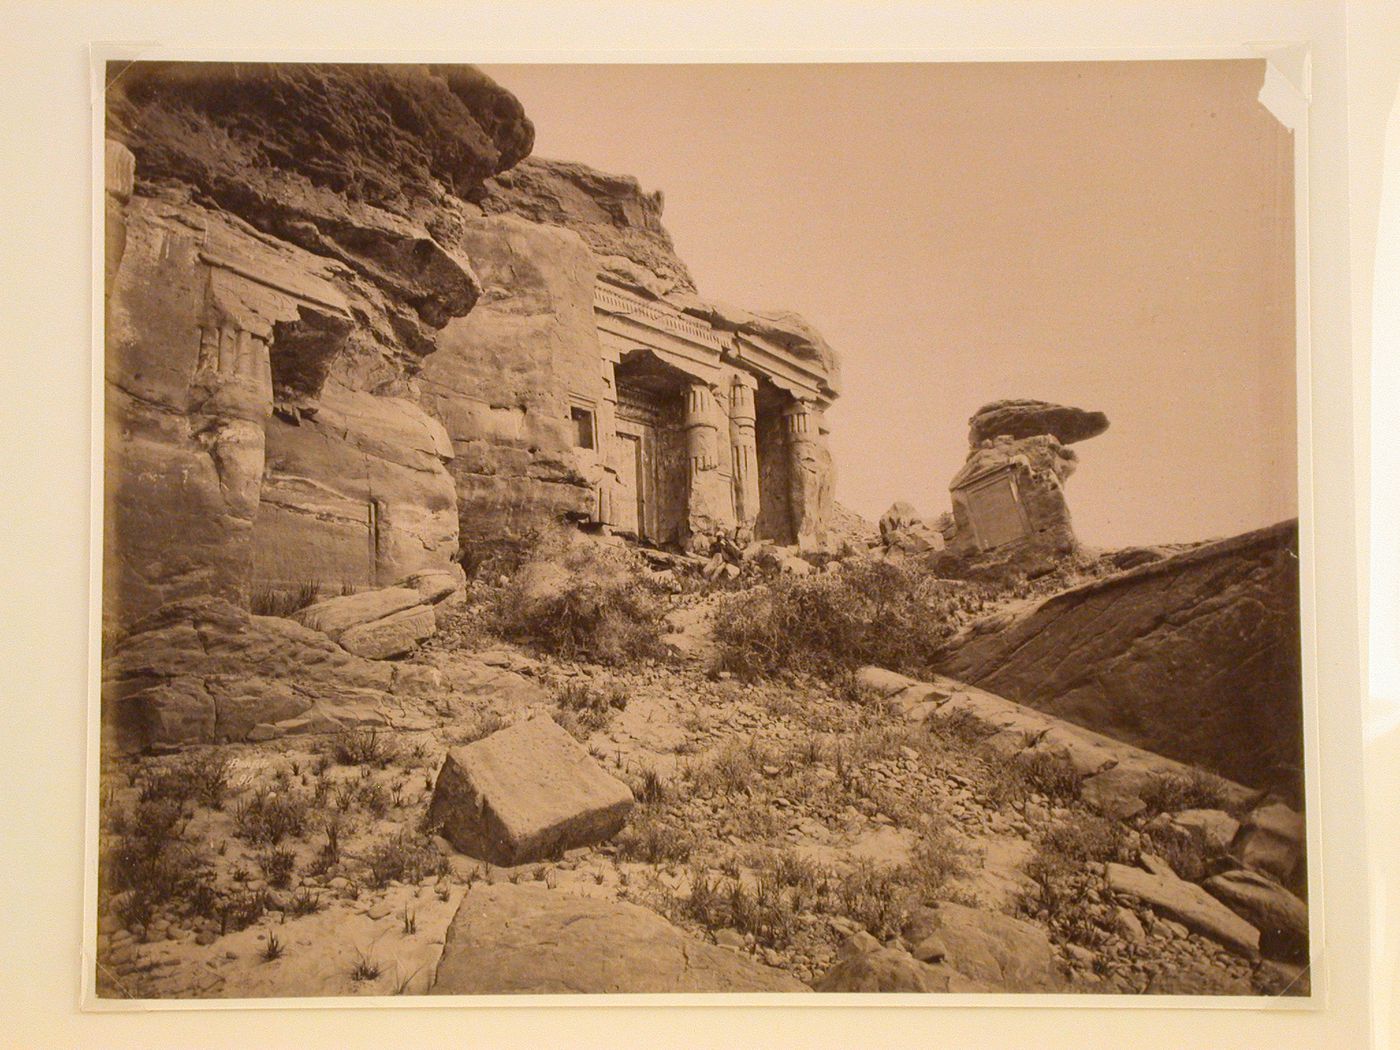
x: 700, y: 430
x: 808, y: 473
x: 744, y: 447
x: 704, y: 488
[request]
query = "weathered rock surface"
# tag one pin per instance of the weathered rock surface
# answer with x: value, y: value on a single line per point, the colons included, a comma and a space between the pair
x: 1281, y: 918
x: 1188, y: 904
x: 392, y: 635
x: 1114, y: 775
x: 997, y: 951
x: 618, y: 221
x: 880, y: 969
x: 1195, y: 657
x: 1211, y: 829
x: 525, y: 793
x: 1028, y: 418
x: 1273, y: 839
x: 334, y: 616
x: 508, y: 939
x: 205, y: 671
x: 502, y: 378
x: 380, y: 133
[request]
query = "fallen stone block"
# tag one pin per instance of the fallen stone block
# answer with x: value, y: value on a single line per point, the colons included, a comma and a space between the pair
x: 1281, y: 917
x: 435, y: 585
x: 1272, y: 840
x: 335, y: 616
x: 393, y: 635
x: 1188, y: 904
x: 507, y: 939
x: 525, y: 793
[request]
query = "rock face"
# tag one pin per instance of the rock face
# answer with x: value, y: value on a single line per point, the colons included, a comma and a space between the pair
x: 205, y: 670
x: 619, y: 223
x: 1195, y: 657
x: 508, y: 940
x: 502, y: 379
x: 526, y: 793
x: 1024, y: 418
x: 346, y: 347
x: 263, y: 424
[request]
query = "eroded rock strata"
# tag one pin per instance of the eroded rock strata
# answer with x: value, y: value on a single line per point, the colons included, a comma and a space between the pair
x: 1195, y: 656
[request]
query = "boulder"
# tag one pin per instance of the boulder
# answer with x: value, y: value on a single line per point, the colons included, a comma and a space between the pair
x: 997, y: 951
x: 1026, y: 418
x: 435, y: 585
x: 899, y: 517
x: 525, y: 939
x: 1212, y: 829
x: 1117, y: 793
x: 335, y: 616
x: 524, y: 793
x: 1282, y: 919
x: 881, y: 970
x: 1188, y: 904
x: 1273, y: 839
x: 391, y: 635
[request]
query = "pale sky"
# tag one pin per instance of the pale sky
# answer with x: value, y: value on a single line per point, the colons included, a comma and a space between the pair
x: 1116, y: 236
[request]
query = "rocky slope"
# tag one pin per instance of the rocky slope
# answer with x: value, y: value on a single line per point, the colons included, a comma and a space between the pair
x: 1194, y: 656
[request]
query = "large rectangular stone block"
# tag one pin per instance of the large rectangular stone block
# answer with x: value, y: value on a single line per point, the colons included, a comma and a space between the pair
x: 526, y: 793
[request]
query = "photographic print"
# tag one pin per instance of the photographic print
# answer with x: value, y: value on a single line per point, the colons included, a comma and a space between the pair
x: 672, y: 528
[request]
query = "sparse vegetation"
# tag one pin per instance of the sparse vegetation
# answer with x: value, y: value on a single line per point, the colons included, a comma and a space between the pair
x: 583, y: 600
x: 871, y: 613
x: 268, y: 816
x: 1196, y: 789
x: 364, y: 747
x: 271, y: 601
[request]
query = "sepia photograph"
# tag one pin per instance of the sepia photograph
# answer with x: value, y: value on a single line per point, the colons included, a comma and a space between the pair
x: 613, y: 529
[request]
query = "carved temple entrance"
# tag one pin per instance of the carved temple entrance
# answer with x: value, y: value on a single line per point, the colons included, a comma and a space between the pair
x: 648, y: 451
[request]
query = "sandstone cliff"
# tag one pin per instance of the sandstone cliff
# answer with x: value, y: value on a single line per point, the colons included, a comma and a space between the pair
x: 284, y: 244
x: 1195, y: 656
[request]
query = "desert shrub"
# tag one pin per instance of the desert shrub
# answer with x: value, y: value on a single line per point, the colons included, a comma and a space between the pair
x: 403, y: 858
x: 592, y: 707
x: 267, y: 817
x: 654, y: 839
x: 1184, y: 852
x: 872, y: 613
x: 1080, y: 840
x: 1018, y: 777
x: 364, y: 747
x: 149, y: 861
x: 489, y: 558
x: 1059, y: 871
x: 878, y: 898
x: 277, y: 865
x: 271, y: 601
x: 201, y: 777
x: 583, y: 600
x: 1196, y: 789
